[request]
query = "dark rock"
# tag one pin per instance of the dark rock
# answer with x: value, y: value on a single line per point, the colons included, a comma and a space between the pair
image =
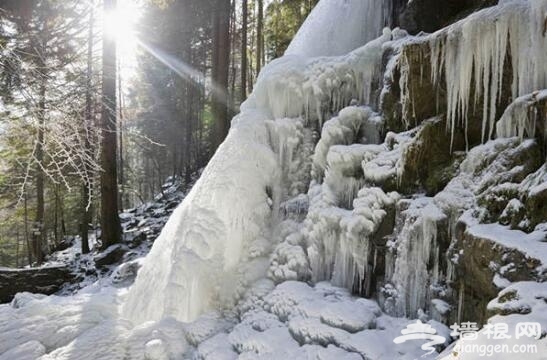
x: 111, y: 255
x: 432, y: 15
x: 431, y: 161
x: 46, y: 280
x: 422, y: 98
x: 536, y: 207
x: 134, y: 238
x: 90, y: 271
x: 171, y: 205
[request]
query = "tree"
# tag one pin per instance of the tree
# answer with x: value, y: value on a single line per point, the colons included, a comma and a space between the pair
x: 245, y: 18
x: 221, y: 61
x: 87, y: 125
x: 260, y: 58
x: 283, y: 19
x: 110, y: 220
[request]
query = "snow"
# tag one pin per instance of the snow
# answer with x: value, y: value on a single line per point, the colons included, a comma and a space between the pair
x: 27, y: 351
x: 227, y: 209
x: 343, y: 129
x: 202, y: 259
x: 500, y: 282
x: 532, y: 244
x: 338, y: 239
x: 327, y: 320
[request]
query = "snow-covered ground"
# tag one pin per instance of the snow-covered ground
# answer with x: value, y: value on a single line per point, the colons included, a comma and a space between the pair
x: 262, y: 257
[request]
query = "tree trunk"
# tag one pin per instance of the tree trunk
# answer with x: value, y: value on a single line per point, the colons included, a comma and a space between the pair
x: 121, y: 177
x: 56, y: 215
x: 233, y: 67
x: 260, y: 58
x: 17, y: 250
x: 110, y: 221
x: 27, y: 238
x: 88, y: 123
x: 244, y: 26
x: 221, y: 56
x: 39, y: 228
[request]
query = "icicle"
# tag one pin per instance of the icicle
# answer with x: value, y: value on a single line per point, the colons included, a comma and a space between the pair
x: 415, y: 247
x: 477, y: 47
x: 521, y: 117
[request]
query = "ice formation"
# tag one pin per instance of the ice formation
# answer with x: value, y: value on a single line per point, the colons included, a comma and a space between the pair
x: 474, y: 54
x: 413, y: 265
x: 521, y: 118
x: 296, y: 85
x: 363, y: 20
x: 204, y: 256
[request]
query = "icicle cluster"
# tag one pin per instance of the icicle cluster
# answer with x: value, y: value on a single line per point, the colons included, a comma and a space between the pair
x: 412, y: 266
x: 475, y: 53
x: 346, y: 207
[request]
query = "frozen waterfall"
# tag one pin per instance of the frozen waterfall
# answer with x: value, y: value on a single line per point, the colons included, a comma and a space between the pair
x: 217, y: 241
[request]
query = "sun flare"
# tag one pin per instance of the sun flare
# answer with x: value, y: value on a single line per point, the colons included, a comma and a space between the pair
x: 121, y: 24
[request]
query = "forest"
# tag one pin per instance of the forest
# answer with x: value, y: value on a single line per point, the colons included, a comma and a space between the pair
x: 273, y: 179
x: 96, y: 118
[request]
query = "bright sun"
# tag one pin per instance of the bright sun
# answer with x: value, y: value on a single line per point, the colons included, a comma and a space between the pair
x: 121, y: 25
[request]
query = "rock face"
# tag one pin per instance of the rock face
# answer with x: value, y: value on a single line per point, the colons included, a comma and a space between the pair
x: 47, y: 280
x: 484, y: 267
